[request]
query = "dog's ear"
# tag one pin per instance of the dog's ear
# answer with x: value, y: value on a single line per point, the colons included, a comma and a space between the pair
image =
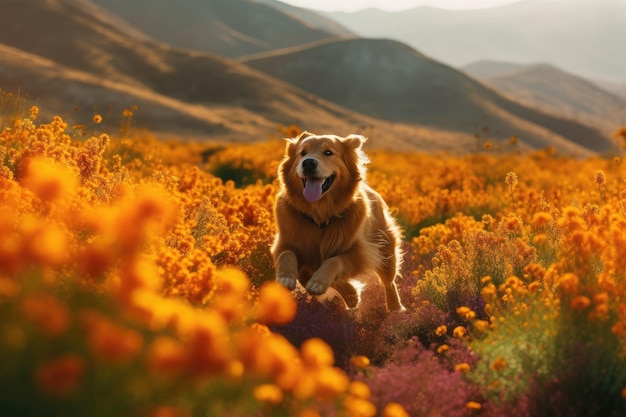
x: 305, y: 134
x: 354, y: 141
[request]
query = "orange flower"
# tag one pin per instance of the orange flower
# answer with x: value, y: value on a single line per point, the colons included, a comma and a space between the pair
x: 47, y: 313
x: 473, y: 405
x: 568, y: 283
x: 34, y: 112
x: 481, y: 325
x: 359, y: 407
x: 232, y: 281
x: 580, y: 302
x: 441, y: 330
x: 166, y: 355
x: 50, y: 181
x: 393, y: 409
x: 599, y: 178
x: 61, y: 376
x: 47, y: 244
x: 110, y: 341
x: 207, y: 342
x: 97, y: 119
x: 317, y: 353
x: 442, y: 349
x: 359, y: 389
x: 268, y: 393
x: 360, y: 361
x: 511, y: 179
x: 329, y: 383
x: 499, y: 363
x: 542, y: 219
x: 459, y: 331
x: 276, y: 304
x: 462, y: 367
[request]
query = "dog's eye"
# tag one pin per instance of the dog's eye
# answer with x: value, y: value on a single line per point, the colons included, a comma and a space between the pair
x: 328, y: 153
x: 302, y: 153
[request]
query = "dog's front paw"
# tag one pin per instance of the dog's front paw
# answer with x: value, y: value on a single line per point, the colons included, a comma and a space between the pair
x: 288, y: 282
x: 316, y: 288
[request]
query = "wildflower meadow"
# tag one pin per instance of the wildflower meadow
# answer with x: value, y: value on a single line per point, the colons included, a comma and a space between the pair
x: 136, y: 280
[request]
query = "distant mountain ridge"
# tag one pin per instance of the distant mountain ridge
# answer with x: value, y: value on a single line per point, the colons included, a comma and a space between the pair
x: 389, y: 80
x: 584, y: 37
x: 75, y: 53
x: 230, y: 28
x: 553, y: 90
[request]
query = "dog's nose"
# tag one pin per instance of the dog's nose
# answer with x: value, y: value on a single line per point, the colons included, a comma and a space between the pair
x: 309, y: 165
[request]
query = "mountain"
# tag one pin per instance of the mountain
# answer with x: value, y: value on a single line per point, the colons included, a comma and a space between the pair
x: 585, y: 37
x: 229, y: 28
x: 550, y: 89
x: 485, y: 69
x: 74, y: 53
x: 389, y: 80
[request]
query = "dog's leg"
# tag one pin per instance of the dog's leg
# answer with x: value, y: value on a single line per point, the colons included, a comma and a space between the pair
x: 287, y: 269
x: 347, y: 292
x: 326, y: 275
x: 387, y: 272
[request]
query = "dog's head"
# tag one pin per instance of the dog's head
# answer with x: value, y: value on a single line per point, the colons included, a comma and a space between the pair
x: 318, y: 166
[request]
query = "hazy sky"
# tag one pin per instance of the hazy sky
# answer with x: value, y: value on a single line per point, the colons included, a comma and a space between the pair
x: 393, y: 5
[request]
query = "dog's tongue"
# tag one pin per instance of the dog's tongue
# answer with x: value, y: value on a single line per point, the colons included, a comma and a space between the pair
x: 313, y: 189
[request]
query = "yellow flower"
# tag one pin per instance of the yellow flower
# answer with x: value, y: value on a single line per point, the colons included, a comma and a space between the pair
x: 317, y: 353
x: 473, y: 405
x: 50, y: 181
x: 441, y: 330
x: 393, y: 409
x: 329, y: 383
x: 599, y: 178
x: 462, y: 367
x: 34, y: 111
x: 459, y: 331
x: 360, y: 361
x: 542, y: 219
x: 511, y: 179
x: 359, y: 389
x: 499, y: 363
x: 443, y: 348
x: 166, y: 355
x: 568, y: 283
x: 359, y: 407
x: 481, y: 325
x: 232, y: 281
x: 97, y: 119
x: 580, y: 302
x: 276, y: 304
x: 268, y: 393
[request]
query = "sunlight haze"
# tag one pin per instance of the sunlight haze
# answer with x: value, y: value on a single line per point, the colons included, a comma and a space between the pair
x: 396, y: 5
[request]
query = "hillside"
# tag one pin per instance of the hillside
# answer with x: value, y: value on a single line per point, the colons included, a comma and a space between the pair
x: 229, y: 28
x: 389, y: 80
x: 553, y: 90
x: 77, y: 54
x: 581, y: 36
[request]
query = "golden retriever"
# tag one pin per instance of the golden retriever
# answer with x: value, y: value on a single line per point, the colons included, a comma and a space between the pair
x: 332, y: 226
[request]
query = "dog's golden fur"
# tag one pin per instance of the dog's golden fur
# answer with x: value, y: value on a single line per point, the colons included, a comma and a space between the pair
x: 336, y: 231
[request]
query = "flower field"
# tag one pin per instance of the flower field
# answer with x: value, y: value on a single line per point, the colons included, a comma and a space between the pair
x: 136, y: 280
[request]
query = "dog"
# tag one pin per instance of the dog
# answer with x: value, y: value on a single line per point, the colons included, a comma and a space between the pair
x: 331, y: 225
